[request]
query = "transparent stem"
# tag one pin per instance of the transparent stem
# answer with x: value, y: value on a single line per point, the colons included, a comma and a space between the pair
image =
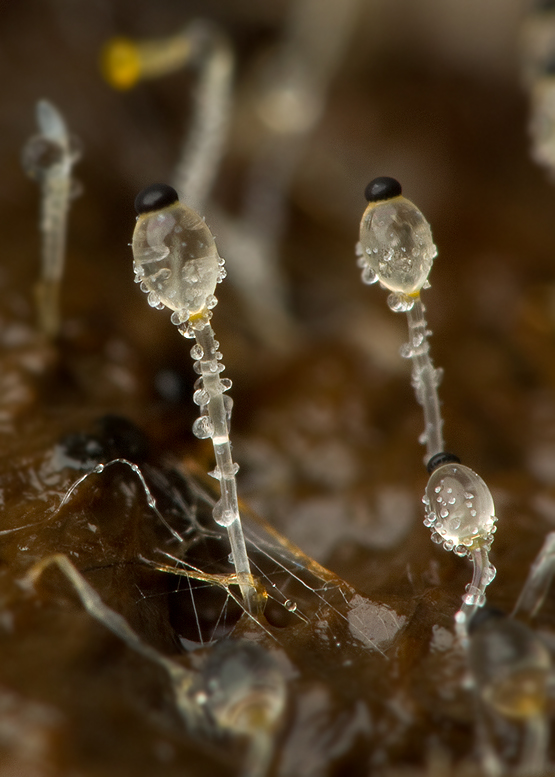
x: 538, y: 581
x: 490, y: 762
x: 203, y: 148
x: 259, y: 755
x: 482, y: 575
x: 535, y: 747
x: 49, y: 158
x: 425, y: 378
x: 226, y: 510
x: 162, y: 56
x: 291, y: 99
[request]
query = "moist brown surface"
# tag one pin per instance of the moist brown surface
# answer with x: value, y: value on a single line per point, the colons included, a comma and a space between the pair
x: 326, y: 430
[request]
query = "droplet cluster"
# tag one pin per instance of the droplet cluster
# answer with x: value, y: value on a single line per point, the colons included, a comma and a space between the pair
x: 459, y: 509
x: 208, y: 362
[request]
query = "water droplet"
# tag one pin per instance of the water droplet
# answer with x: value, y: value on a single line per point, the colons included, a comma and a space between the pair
x: 226, y: 384
x: 474, y: 596
x: 489, y: 574
x: 418, y: 339
x: 203, y: 427
x: 406, y: 351
x: 451, y: 500
x: 400, y: 303
x: 229, y: 472
x: 211, y: 301
x: 368, y: 276
x: 221, y: 516
x: 448, y: 545
x: 444, y: 512
x: 460, y: 550
x: 186, y: 329
x: 197, y: 351
x: 176, y: 318
x: 201, y: 397
x: 290, y: 605
x: 153, y: 299
x: 228, y: 404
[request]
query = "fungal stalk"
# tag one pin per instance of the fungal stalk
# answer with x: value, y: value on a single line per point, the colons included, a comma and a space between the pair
x: 538, y: 582
x: 202, y: 46
x: 288, y: 103
x: 396, y: 249
x: 48, y: 158
x: 243, y: 688
x: 177, y: 263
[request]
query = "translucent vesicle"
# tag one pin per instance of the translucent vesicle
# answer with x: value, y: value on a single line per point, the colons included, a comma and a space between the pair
x: 176, y: 257
x: 396, y: 245
x: 459, y: 507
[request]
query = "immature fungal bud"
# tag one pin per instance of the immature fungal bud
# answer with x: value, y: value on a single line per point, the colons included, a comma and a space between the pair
x: 174, y: 252
x: 243, y: 687
x: 396, y: 246
x: 124, y: 62
x: 510, y: 664
x: 459, y: 508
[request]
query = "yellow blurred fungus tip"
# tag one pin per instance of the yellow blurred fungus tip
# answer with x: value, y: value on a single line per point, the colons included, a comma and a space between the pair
x: 121, y: 63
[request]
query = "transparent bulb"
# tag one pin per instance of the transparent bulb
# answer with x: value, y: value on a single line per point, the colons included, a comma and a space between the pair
x: 396, y: 245
x: 459, y: 508
x: 511, y: 666
x: 243, y: 686
x: 175, y: 257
